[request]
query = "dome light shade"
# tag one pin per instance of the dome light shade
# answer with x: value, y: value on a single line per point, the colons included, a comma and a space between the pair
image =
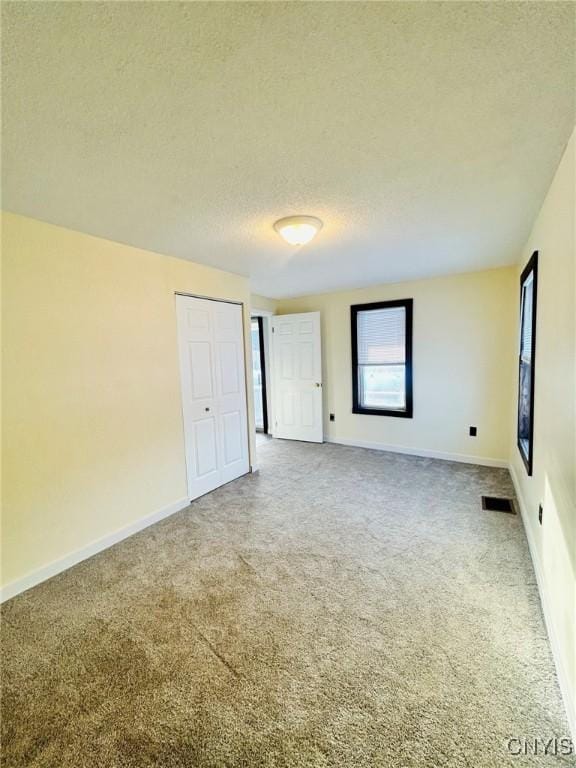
x: 298, y: 230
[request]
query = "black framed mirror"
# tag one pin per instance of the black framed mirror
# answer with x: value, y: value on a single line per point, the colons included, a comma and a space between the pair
x: 527, y: 361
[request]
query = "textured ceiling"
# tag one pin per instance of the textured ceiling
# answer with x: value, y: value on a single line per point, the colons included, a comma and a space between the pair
x: 424, y: 134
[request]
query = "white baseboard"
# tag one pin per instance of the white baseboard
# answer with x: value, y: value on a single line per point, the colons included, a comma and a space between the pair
x: 57, y: 566
x: 568, y: 695
x: 423, y: 452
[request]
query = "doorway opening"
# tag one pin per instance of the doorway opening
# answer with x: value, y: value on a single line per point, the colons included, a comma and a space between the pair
x: 259, y: 375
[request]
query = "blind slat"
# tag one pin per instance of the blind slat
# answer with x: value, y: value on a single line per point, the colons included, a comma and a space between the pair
x: 382, y: 336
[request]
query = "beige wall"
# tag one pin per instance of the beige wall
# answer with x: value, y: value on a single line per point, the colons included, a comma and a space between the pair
x: 463, y: 365
x: 92, y: 427
x: 261, y: 302
x: 553, y: 483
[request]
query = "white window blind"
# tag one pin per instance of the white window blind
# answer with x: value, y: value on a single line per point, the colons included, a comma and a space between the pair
x: 527, y: 304
x: 382, y: 336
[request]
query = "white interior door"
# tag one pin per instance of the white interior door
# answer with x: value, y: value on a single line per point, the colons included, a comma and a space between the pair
x: 212, y: 370
x: 297, y: 389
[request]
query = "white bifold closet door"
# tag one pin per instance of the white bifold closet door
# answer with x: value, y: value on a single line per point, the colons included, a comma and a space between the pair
x: 213, y: 377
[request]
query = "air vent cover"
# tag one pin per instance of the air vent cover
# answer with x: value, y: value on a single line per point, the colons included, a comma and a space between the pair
x: 498, y: 504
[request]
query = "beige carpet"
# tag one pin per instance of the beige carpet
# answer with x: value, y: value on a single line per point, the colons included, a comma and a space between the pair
x: 343, y: 607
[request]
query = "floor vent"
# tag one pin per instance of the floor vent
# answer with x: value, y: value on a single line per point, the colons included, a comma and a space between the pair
x: 497, y: 504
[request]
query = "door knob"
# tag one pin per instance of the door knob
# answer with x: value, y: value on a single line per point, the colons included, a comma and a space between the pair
x: 318, y: 384
x: 206, y: 409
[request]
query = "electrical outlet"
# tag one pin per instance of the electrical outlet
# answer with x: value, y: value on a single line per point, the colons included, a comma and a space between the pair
x: 473, y: 432
x: 332, y: 417
x: 540, y: 510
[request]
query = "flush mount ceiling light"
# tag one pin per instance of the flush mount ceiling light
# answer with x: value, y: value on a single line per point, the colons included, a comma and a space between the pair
x: 298, y: 230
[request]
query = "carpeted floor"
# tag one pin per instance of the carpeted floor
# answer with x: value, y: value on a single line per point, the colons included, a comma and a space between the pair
x: 343, y: 608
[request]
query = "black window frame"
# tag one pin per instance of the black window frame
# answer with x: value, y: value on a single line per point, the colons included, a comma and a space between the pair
x: 531, y: 267
x: 406, y: 413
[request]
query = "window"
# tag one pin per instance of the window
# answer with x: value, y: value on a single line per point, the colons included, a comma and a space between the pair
x: 528, y: 286
x: 382, y: 358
